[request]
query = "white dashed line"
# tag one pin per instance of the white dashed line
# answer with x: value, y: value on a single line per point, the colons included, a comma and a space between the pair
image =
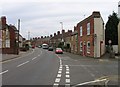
x: 67, y: 85
x: 59, y: 71
x: 55, y: 84
x: 60, y: 67
x: 67, y: 80
x: 34, y: 58
x: 67, y: 72
x: 67, y: 69
x: 59, y: 75
x: 4, y: 72
x: 67, y: 76
x: 57, y: 80
x: 22, y: 64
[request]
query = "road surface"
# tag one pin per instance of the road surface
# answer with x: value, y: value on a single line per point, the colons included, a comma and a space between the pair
x: 43, y: 67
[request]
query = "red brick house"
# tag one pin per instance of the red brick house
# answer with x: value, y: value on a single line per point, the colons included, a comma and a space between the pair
x: 91, y: 36
x: 9, y: 38
x: 63, y: 37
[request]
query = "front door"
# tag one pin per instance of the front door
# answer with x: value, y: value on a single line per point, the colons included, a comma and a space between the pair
x: 84, y: 50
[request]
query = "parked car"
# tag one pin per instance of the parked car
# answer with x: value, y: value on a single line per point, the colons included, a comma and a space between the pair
x: 50, y: 49
x: 39, y: 46
x: 59, y: 51
x: 33, y: 46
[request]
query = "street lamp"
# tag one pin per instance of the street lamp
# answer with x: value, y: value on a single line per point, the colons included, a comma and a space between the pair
x: 62, y: 33
x: 62, y: 29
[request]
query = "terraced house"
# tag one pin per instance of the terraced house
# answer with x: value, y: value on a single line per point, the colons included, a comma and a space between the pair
x: 9, y: 38
x: 91, y: 40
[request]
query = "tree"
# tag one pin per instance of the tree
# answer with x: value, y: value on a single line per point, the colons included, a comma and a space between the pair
x: 111, y: 31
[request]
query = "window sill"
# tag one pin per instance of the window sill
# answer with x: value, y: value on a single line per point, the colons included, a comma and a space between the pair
x: 88, y: 52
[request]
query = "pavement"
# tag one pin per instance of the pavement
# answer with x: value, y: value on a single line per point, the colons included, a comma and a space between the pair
x: 12, y: 56
x: 104, y: 57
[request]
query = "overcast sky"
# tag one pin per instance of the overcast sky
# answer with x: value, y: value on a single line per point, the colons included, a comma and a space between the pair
x: 43, y: 17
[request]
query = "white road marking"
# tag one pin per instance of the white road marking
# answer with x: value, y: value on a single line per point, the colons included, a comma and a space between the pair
x: 22, y: 64
x: 57, y: 80
x: 67, y: 85
x: 56, y: 84
x: 59, y: 75
x: 59, y: 72
x: 67, y: 80
x: 34, y: 58
x: 60, y: 69
x: 85, y: 83
x: 67, y: 69
x: 67, y: 72
x: 67, y: 76
x: 4, y: 72
x: 60, y: 63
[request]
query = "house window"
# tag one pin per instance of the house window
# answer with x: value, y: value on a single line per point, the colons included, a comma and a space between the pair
x: 72, y: 38
x: 7, y: 43
x: 88, y: 47
x: 88, y: 28
x: 81, y: 46
x: 81, y: 31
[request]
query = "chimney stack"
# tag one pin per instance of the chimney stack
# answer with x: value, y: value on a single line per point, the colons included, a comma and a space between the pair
x: 41, y: 36
x: 51, y: 35
x: 54, y: 34
x: 3, y: 19
x: 63, y: 31
x: 74, y: 28
x: 69, y: 31
x: 58, y: 33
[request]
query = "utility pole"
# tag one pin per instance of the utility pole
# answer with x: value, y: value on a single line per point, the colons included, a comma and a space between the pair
x: 18, y: 35
x: 28, y: 35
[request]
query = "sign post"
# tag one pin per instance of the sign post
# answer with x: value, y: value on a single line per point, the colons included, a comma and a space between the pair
x: 112, y: 54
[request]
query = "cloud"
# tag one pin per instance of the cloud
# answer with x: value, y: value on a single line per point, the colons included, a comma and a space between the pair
x: 39, y: 16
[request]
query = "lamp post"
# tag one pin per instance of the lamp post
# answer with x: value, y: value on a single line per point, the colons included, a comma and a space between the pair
x: 28, y: 35
x: 62, y: 34
x: 62, y: 29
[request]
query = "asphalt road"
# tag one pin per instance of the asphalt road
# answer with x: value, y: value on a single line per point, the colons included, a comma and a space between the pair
x: 42, y: 67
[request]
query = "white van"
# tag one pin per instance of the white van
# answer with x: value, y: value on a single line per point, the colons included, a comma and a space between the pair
x: 45, y: 46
